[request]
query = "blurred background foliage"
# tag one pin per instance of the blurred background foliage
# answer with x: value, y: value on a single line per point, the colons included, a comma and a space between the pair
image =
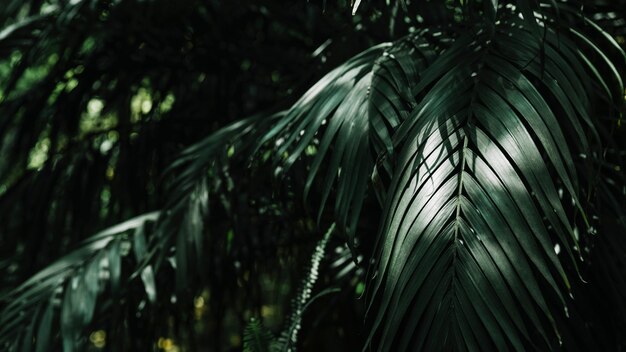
x: 99, y: 97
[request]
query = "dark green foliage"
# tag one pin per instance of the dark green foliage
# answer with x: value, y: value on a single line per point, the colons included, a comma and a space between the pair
x: 467, y: 155
x: 257, y: 338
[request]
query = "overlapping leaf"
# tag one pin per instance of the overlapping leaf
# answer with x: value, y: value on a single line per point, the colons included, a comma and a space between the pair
x: 348, y: 114
x: 391, y: 98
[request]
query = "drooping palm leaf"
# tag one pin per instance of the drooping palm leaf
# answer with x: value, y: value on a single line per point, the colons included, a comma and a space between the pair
x: 65, y: 293
x: 466, y: 247
x: 339, y: 101
x: 196, y: 171
x: 342, y: 116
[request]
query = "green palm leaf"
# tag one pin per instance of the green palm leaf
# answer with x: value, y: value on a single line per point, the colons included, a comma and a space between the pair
x: 194, y: 173
x: 466, y: 251
x: 337, y: 107
x: 397, y: 71
x: 67, y: 290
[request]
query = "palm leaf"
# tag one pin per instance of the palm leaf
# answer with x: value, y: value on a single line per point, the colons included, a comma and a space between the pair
x: 200, y: 169
x: 466, y: 254
x: 67, y: 290
x: 336, y: 107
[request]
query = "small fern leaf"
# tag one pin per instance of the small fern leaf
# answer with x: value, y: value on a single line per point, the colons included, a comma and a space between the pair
x: 256, y: 338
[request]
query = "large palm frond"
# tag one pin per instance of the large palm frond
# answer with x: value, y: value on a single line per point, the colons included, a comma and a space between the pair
x: 467, y: 247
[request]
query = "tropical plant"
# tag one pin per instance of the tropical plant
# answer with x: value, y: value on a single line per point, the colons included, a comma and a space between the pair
x: 458, y: 186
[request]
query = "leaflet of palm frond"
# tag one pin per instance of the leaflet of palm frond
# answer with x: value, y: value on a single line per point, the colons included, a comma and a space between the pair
x: 342, y: 267
x: 466, y: 247
x: 66, y: 291
x: 604, y: 57
x: 341, y: 100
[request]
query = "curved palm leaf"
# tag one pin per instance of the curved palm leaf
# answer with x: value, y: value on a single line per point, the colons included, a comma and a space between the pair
x: 67, y: 290
x: 339, y: 101
x: 195, y: 172
x: 466, y: 252
x: 348, y: 115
